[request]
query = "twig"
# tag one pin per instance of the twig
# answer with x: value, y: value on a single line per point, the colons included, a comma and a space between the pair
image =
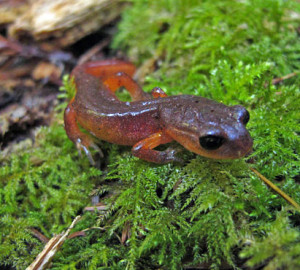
x: 93, y: 51
x: 96, y: 208
x: 39, y: 236
x: 45, y: 257
x: 288, y: 76
x: 276, y: 189
x: 82, y: 233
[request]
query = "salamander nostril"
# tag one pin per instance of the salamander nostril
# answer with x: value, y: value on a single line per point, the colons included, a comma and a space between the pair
x: 211, y: 142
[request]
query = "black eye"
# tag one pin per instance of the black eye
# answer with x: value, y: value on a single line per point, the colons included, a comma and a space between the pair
x: 246, y: 118
x: 211, y: 142
x: 241, y: 114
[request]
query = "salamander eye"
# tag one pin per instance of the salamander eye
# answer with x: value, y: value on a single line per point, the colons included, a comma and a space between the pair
x: 241, y: 114
x: 211, y: 142
x: 246, y: 118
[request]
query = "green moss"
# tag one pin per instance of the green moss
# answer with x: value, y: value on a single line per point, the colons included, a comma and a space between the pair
x: 41, y: 188
x: 171, y: 216
x: 280, y: 246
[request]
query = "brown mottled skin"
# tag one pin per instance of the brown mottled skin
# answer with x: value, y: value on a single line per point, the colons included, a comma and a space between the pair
x: 203, y: 126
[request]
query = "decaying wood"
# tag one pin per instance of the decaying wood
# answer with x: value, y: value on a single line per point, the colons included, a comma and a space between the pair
x: 64, y: 21
x: 11, y: 9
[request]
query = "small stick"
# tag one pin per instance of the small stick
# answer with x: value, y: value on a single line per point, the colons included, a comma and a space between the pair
x: 93, y: 51
x: 276, y: 189
x: 82, y: 233
x: 288, y: 76
x: 39, y: 235
x: 43, y: 260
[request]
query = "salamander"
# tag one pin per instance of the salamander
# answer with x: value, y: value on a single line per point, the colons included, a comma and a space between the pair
x: 203, y: 126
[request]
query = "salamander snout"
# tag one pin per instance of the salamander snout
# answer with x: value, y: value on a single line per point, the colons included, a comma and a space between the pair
x: 230, y: 143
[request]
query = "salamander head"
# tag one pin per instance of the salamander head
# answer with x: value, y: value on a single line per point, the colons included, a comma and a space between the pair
x: 208, y: 128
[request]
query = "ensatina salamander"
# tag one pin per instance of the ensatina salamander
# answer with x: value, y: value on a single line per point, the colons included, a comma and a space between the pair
x: 201, y: 125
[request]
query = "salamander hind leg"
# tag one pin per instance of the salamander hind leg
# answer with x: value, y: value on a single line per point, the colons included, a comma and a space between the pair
x: 114, y: 74
x: 121, y: 79
x: 82, y: 141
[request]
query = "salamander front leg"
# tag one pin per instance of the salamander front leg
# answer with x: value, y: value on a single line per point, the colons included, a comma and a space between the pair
x: 81, y: 140
x: 144, y: 149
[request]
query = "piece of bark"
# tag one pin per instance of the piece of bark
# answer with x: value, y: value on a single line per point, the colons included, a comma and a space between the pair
x: 24, y: 112
x: 47, y: 70
x: 11, y: 9
x: 64, y: 21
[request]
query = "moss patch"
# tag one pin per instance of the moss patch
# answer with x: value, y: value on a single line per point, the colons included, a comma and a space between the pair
x: 170, y: 216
